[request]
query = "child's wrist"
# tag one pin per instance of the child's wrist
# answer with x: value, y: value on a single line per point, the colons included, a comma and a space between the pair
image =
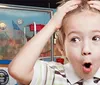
x: 57, y: 19
x: 56, y: 26
x: 55, y: 22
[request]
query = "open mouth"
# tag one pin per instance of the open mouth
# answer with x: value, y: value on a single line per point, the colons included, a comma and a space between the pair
x: 87, y: 67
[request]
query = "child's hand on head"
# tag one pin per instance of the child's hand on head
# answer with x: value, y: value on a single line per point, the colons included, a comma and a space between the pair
x: 94, y: 4
x: 63, y: 9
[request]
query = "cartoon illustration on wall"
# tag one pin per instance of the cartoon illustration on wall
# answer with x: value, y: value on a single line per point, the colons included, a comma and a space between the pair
x: 10, y: 44
x: 17, y: 27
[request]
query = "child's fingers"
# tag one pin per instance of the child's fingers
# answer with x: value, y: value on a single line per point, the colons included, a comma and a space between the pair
x: 62, y: 10
x: 71, y: 8
x: 95, y: 6
x: 71, y: 3
x: 68, y: 6
x: 94, y: 2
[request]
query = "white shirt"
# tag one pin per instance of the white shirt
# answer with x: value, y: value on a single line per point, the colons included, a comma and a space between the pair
x: 73, y: 78
x: 52, y: 73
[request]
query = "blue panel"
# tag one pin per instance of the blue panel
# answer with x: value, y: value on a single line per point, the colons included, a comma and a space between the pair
x: 5, y: 61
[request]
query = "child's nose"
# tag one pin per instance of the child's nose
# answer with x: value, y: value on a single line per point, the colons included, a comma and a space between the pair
x: 86, y: 49
x: 86, y: 53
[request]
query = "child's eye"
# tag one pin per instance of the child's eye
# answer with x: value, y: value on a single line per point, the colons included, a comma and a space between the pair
x: 96, y: 38
x: 75, y: 39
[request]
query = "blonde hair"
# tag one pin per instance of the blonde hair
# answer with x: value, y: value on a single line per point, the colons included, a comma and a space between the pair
x: 61, y: 32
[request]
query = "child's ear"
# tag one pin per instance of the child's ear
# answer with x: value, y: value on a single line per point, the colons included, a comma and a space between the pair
x: 60, y: 41
x: 60, y: 49
x: 63, y: 52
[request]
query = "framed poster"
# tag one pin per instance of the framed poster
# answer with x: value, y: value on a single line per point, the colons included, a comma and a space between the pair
x: 17, y: 25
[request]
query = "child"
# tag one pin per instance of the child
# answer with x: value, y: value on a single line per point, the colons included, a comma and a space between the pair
x: 78, y: 22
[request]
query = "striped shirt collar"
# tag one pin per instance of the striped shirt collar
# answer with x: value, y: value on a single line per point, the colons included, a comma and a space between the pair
x: 72, y: 76
x: 97, y: 74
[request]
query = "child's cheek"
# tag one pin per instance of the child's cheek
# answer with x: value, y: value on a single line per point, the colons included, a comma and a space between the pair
x: 73, y: 50
x: 74, y: 53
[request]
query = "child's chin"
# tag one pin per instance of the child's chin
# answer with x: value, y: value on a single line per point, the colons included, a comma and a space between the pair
x: 87, y: 76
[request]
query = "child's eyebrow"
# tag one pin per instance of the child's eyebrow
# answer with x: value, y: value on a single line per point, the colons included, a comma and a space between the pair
x: 77, y: 32
x: 73, y: 32
x: 96, y: 30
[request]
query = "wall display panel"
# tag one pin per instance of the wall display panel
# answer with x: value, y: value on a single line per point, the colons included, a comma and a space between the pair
x: 18, y: 24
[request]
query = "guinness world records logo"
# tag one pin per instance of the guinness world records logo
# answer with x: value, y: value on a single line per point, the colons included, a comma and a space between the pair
x: 4, y: 77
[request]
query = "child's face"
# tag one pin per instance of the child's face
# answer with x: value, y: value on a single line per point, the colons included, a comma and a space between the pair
x: 82, y: 43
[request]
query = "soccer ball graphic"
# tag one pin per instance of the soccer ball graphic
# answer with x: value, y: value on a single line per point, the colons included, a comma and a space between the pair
x: 2, y: 26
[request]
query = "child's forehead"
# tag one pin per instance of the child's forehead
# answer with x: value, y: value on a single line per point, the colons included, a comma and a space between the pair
x: 82, y: 20
x: 85, y: 13
x: 84, y: 16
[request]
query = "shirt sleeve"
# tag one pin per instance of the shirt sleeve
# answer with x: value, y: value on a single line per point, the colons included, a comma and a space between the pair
x: 43, y: 73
